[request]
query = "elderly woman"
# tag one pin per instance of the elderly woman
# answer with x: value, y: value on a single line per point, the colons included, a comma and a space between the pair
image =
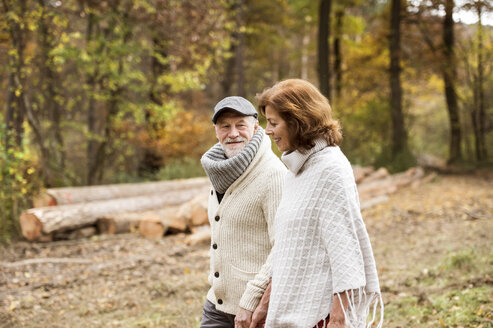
x: 324, y: 273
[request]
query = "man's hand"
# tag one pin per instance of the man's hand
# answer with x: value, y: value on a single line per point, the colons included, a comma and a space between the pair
x: 260, y: 313
x: 243, y: 318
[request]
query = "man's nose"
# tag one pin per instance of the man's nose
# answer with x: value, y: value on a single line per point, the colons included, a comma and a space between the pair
x: 233, y: 133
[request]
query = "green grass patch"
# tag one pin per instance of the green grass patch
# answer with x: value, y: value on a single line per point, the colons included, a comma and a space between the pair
x: 458, y: 292
x: 470, y: 307
x: 463, y: 260
x: 177, y: 304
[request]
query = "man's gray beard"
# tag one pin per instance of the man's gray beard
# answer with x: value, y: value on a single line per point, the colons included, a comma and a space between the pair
x: 235, y: 151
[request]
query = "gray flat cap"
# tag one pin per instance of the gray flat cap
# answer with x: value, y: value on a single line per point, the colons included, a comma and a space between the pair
x: 237, y: 104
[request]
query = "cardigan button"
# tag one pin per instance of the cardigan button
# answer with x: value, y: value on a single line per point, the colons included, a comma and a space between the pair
x: 216, y: 274
x: 214, y: 246
x: 217, y: 218
x: 219, y: 301
x: 212, y: 192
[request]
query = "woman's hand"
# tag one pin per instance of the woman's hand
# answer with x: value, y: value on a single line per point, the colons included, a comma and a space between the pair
x: 334, y: 324
x: 339, y: 307
x: 260, y: 313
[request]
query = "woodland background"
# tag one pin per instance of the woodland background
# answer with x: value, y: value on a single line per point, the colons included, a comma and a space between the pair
x: 116, y: 91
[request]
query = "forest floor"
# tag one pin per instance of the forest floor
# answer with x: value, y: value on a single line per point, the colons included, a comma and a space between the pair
x: 433, y: 246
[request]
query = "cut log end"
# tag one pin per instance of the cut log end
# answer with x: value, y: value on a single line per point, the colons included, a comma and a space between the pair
x: 153, y: 229
x: 117, y: 223
x: 200, y: 237
x: 31, y: 226
x: 44, y: 200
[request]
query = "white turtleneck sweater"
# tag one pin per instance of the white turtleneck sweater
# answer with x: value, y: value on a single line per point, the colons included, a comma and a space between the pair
x: 322, y: 246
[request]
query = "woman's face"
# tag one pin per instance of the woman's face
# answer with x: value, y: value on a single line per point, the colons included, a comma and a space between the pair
x: 277, y: 129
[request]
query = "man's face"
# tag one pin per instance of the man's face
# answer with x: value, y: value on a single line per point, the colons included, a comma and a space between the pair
x: 234, y: 131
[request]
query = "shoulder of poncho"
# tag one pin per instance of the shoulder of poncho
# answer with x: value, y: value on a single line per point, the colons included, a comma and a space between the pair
x: 329, y: 163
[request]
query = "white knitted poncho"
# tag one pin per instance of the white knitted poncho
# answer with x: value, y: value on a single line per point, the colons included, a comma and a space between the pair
x: 321, y: 245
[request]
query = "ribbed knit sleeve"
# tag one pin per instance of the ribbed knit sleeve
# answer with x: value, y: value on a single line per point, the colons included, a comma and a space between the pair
x: 272, y: 196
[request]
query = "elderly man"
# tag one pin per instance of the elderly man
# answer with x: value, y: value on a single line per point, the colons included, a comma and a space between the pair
x: 246, y: 180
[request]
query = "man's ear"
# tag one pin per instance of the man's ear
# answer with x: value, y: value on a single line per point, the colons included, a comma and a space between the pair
x: 255, y: 126
x: 215, y: 130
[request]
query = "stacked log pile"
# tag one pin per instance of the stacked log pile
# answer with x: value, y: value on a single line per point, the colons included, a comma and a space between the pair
x: 159, y: 208
x: 111, y: 208
x: 375, y: 186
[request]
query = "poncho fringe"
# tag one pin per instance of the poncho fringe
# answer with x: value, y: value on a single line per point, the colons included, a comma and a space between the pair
x: 357, y: 313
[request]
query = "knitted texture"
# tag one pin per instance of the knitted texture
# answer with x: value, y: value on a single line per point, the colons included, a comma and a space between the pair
x: 224, y: 171
x: 243, y: 233
x: 322, y: 247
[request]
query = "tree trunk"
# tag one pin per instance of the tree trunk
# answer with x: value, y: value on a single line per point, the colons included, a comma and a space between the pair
x: 304, y: 51
x: 229, y: 73
x: 96, y: 172
x: 338, y: 53
x: 12, y: 113
x: 151, y: 160
x: 15, y: 111
x: 324, y: 73
x: 91, y: 110
x: 52, y: 107
x: 23, y: 108
x: 228, y: 77
x: 240, y: 49
x: 399, y: 135
x: 449, y: 78
x: 481, y: 153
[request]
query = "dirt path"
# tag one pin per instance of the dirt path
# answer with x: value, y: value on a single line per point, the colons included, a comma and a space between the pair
x: 433, y: 247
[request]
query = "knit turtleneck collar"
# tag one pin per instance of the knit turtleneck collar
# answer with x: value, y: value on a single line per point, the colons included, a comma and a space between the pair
x: 223, y: 171
x: 295, y: 160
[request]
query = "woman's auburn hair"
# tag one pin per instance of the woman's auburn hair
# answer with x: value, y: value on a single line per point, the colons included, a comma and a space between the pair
x: 307, y: 113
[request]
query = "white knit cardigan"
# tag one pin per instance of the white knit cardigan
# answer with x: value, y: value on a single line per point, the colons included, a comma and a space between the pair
x: 322, y: 247
x: 243, y: 233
